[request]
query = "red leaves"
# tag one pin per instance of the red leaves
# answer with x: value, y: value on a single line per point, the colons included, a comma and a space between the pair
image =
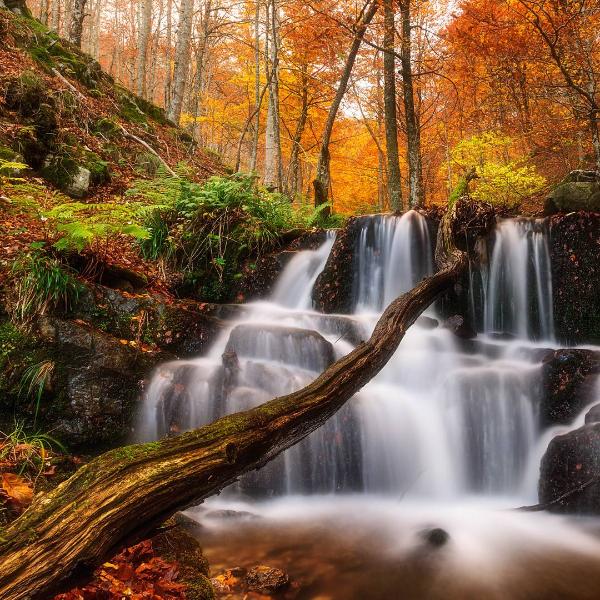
x: 135, y: 573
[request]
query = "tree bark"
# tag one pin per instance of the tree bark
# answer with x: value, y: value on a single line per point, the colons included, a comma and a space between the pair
x: 294, y: 186
x: 389, y: 101
x: 257, y: 94
x: 127, y: 492
x: 145, y: 27
x: 76, y: 22
x: 413, y: 133
x: 273, y: 160
x: 323, y: 176
x: 182, y: 58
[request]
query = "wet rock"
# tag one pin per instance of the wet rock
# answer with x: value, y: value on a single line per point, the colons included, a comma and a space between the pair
x: 459, y: 326
x: 301, y: 347
x: 225, y: 514
x: 593, y: 415
x: 232, y: 580
x: 96, y: 382
x: 427, y: 322
x: 177, y: 545
x: 435, y: 537
x: 182, y: 328
x: 332, y: 292
x: 568, y: 384
x: 570, y: 472
x: 267, y: 580
x: 574, y: 244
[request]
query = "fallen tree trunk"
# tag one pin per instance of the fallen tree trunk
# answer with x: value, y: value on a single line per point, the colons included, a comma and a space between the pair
x: 129, y: 491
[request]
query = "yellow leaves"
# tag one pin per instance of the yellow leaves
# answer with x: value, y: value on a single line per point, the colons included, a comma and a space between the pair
x: 17, y: 489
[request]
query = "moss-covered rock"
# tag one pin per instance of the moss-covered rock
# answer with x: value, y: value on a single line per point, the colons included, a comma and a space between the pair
x: 580, y: 190
x: 95, y: 383
x: 178, y: 545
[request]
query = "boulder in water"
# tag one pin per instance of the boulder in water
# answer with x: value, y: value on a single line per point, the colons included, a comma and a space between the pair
x: 568, y: 384
x: 304, y: 348
x: 460, y: 327
x: 435, y: 537
x: 267, y: 580
x: 593, y: 415
x: 570, y: 472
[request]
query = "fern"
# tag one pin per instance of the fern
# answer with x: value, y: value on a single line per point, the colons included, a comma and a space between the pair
x: 83, y: 225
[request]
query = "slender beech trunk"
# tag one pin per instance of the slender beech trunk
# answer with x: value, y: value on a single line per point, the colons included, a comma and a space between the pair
x: 144, y: 30
x: 76, y: 22
x: 182, y: 59
x: 201, y: 62
x: 294, y: 184
x: 391, y: 117
x: 55, y: 16
x: 125, y: 493
x: 168, y: 54
x: 257, y: 94
x: 273, y: 159
x: 322, y: 179
x: 413, y: 133
x: 595, y: 112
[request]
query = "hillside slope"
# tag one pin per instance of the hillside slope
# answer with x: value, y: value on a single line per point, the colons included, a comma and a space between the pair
x: 81, y: 134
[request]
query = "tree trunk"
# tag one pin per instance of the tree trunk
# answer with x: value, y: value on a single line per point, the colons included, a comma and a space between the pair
x: 199, y: 80
x: 413, y: 133
x: 323, y: 176
x: 55, y: 16
x: 294, y: 184
x: 391, y: 119
x: 182, y: 59
x: 126, y: 492
x: 273, y: 168
x: 257, y: 94
x: 145, y: 27
x: 595, y: 136
x: 76, y: 22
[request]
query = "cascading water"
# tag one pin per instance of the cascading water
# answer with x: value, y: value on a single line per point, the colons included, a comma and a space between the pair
x: 445, y: 435
x: 445, y: 417
x: 515, y: 281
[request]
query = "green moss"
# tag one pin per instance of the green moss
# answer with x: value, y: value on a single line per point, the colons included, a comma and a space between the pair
x: 199, y: 588
x: 26, y: 93
x: 129, y: 109
x: 99, y: 172
x: 107, y: 128
x: 60, y: 170
x: 8, y: 154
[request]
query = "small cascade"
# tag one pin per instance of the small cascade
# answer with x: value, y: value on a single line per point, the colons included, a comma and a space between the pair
x: 445, y: 418
x: 393, y: 255
x: 294, y: 288
x: 517, y: 282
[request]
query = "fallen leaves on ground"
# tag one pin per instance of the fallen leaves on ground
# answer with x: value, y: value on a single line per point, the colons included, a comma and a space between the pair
x: 17, y: 489
x: 136, y: 574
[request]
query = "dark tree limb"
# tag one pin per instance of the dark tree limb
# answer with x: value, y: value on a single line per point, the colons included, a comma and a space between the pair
x: 129, y: 491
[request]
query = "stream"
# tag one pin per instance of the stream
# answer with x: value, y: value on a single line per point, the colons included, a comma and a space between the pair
x: 446, y: 436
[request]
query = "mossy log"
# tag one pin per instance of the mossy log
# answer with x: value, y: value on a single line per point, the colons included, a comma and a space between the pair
x: 123, y: 494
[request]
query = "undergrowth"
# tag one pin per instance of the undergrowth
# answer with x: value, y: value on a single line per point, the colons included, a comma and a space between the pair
x: 42, y: 283
x: 207, y: 230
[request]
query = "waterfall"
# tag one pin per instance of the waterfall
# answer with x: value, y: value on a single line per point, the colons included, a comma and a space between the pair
x: 445, y: 418
x: 518, y: 282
